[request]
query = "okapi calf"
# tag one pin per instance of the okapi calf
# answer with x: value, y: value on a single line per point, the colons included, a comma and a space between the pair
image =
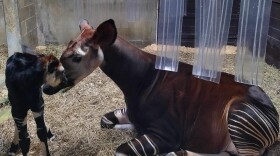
x: 25, y: 74
x: 173, y: 112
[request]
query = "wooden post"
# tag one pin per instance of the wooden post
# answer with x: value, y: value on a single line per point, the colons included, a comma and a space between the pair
x: 12, y: 26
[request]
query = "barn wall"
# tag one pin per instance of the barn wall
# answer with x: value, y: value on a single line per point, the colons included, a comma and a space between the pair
x: 28, y: 24
x: 2, y: 25
x: 189, y: 24
x: 273, y: 44
x: 58, y: 19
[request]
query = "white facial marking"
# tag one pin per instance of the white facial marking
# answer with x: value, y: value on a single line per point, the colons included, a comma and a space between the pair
x: 100, y: 54
x: 60, y: 68
x: 52, y: 80
x: 80, y: 51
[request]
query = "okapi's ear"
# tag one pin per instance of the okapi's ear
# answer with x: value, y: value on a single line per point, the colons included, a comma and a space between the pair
x: 105, y: 34
x: 52, y: 64
x: 84, y: 25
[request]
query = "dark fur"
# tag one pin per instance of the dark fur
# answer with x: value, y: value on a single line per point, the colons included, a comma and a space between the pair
x: 25, y: 74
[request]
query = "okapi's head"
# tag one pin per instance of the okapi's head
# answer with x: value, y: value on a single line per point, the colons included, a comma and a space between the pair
x: 84, y: 53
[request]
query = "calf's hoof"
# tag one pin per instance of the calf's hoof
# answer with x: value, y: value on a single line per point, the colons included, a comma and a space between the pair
x: 14, y: 149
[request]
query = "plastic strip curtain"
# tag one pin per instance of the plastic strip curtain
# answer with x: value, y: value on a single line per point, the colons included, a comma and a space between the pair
x: 169, y: 30
x: 252, y: 39
x: 212, y: 22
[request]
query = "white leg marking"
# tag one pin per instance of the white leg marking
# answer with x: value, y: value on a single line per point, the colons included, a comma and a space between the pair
x: 122, y: 116
x: 171, y: 154
x: 141, y: 146
x: 37, y: 114
x: 107, y: 121
x: 124, y: 126
x: 189, y: 153
x: 120, y: 154
x: 149, y: 141
x: 130, y: 144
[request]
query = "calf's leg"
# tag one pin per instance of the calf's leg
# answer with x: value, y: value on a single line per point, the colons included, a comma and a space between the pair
x: 24, y: 140
x: 15, y: 143
x: 42, y: 132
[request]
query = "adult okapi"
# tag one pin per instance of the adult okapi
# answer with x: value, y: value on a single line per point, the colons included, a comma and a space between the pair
x: 173, y: 112
x: 25, y: 74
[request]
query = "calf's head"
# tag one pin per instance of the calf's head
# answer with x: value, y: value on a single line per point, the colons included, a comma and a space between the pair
x: 54, y: 75
x: 84, y: 53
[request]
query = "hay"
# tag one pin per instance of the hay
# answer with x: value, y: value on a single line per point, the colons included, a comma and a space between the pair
x: 74, y: 116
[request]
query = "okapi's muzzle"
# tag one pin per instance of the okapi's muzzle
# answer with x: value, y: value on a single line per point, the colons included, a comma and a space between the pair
x: 49, y: 90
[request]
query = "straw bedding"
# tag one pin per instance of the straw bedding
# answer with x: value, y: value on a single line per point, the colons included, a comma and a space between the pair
x: 74, y: 116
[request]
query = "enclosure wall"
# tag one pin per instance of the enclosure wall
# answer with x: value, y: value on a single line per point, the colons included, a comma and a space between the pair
x: 28, y: 24
x: 58, y: 19
x: 273, y: 43
x: 2, y: 25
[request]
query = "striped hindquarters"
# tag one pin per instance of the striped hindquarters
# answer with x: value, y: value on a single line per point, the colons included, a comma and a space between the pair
x: 252, y: 127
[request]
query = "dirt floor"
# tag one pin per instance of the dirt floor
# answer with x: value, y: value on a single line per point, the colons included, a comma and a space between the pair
x: 74, y: 116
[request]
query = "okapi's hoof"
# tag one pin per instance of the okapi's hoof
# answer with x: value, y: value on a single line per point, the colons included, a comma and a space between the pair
x: 14, y: 149
x: 109, y: 120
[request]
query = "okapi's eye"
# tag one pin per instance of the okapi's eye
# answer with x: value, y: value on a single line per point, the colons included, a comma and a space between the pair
x: 77, y: 58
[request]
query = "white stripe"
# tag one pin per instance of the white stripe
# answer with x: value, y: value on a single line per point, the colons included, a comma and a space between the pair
x: 155, y: 150
x: 141, y: 146
x: 130, y: 144
x: 104, y: 119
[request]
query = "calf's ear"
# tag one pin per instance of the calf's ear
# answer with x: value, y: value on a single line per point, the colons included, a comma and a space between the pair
x: 52, y: 63
x: 105, y: 34
x: 51, y: 67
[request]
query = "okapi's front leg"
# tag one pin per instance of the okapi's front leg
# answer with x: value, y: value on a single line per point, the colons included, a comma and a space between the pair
x: 42, y: 132
x: 117, y: 119
x: 145, y: 145
x: 189, y: 153
x: 24, y: 140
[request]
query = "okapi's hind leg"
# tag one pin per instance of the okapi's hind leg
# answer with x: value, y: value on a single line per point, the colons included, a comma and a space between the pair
x: 252, y: 127
x: 117, y: 119
x: 42, y: 132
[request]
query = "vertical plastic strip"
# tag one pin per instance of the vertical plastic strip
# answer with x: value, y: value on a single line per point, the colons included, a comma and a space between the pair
x: 212, y: 22
x: 169, y: 30
x: 252, y: 39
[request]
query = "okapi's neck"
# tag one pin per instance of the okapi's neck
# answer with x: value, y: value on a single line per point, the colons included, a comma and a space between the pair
x: 129, y: 67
